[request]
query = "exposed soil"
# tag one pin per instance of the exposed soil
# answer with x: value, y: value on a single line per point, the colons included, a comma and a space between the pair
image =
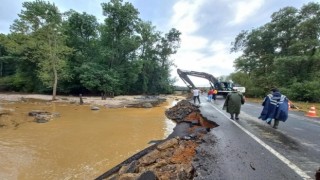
x: 115, y: 102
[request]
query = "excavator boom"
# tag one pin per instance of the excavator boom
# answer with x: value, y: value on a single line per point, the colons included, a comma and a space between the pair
x: 223, y: 87
x: 184, y: 76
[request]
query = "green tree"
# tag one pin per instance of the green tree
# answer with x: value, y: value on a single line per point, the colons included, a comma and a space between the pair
x: 119, y: 43
x: 283, y: 52
x: 168, y: 46
x: 283, y: 24
x: 147, y: 55
x: 97, y: 79
x: 155, y: 52
x: 258, y: 57
x: 7, y: 65
x: 42, y: 21
x: 81, y: 31
x: 307, y: 30
x: 124, y: 54
x: 23, y: 50
x: 118, y: 35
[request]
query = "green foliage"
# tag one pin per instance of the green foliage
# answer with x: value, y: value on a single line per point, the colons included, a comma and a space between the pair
x: 19, y: 83
x: 118, y: 37
x: 282, y: 53
x: 6, y: 83
x: 72, y: 53
x: 306, y: 91
x: 41, y: 23
x: 287, y: 67
x: 95, y: 78
x: 81, y: 31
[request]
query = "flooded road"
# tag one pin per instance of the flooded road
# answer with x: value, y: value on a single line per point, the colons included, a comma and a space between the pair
x: 80, y: 144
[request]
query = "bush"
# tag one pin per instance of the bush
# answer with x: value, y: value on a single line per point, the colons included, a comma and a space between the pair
x: 6, y: 83
x: 306, y: 91
x: 255, y: 92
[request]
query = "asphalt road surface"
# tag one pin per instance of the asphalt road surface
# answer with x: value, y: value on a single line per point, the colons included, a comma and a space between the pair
x: 252, y: 149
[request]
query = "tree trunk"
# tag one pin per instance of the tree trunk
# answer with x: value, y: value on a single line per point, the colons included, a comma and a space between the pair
x: 1, y: 66
x: 1, y: 69
x: 54, y: 69
x: 54, y: 91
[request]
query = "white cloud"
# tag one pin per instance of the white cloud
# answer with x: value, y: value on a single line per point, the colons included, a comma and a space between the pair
x: 220, y: 61
x: 193, y: 43
x: 216, y: 60
x: 184, y: 12
x: 218, y: 46
x: 196, y: 52
x: 244, y: 9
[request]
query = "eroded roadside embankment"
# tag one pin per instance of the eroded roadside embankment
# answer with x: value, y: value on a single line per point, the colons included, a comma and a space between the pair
x: 171, y: 158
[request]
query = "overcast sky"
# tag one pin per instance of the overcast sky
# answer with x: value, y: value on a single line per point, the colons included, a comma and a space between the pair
x: 208, y: 26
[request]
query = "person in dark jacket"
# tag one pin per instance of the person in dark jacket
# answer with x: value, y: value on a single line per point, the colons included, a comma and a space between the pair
x: 275, y: 106
x: 233, y: 103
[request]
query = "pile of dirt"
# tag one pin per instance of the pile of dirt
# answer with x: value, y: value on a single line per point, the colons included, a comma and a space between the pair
x: 181, y: 110
x: 173, y: 157
x: 184, y: 111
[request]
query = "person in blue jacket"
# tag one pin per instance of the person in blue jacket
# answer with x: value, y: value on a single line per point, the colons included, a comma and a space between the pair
x: 275, y: 106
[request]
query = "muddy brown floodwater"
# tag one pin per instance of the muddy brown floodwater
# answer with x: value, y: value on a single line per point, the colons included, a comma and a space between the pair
x: 80, y: 144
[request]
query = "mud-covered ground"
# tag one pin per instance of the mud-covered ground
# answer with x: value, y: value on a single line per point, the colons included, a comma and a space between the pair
x: 174, y: 157
x: 114, y: 102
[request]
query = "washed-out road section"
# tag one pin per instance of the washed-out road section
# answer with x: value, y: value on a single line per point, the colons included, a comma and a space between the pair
x: 251, y: 149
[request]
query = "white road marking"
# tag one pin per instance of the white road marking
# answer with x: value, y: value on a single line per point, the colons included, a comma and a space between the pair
x: 295, y: 168
x: 299, y: 129
x: 250, y: 104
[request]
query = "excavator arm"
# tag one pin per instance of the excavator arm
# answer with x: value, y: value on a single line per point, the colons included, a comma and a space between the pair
x: 184, y: 76
x: 223, y: 87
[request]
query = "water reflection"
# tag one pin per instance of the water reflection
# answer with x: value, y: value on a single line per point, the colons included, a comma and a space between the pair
x: 81, y: 144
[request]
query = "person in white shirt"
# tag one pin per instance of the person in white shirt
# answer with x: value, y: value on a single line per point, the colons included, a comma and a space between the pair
x: 196, y: 93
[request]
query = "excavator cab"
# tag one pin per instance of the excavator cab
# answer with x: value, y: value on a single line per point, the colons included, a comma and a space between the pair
x: 225, y: 86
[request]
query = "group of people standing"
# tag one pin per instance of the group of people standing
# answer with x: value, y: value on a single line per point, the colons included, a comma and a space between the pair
x: 275, y: 105
x: 212, y: 94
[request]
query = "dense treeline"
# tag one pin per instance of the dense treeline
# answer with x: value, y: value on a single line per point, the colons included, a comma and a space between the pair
x: 284, y: 53
x: 70, y: 52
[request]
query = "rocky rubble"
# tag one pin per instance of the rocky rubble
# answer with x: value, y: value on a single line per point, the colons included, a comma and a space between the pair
x: 181, y: 110
x: 146, y: 102
x: 43, y: 116
x: 171, y: 158
x: 184, y: 111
